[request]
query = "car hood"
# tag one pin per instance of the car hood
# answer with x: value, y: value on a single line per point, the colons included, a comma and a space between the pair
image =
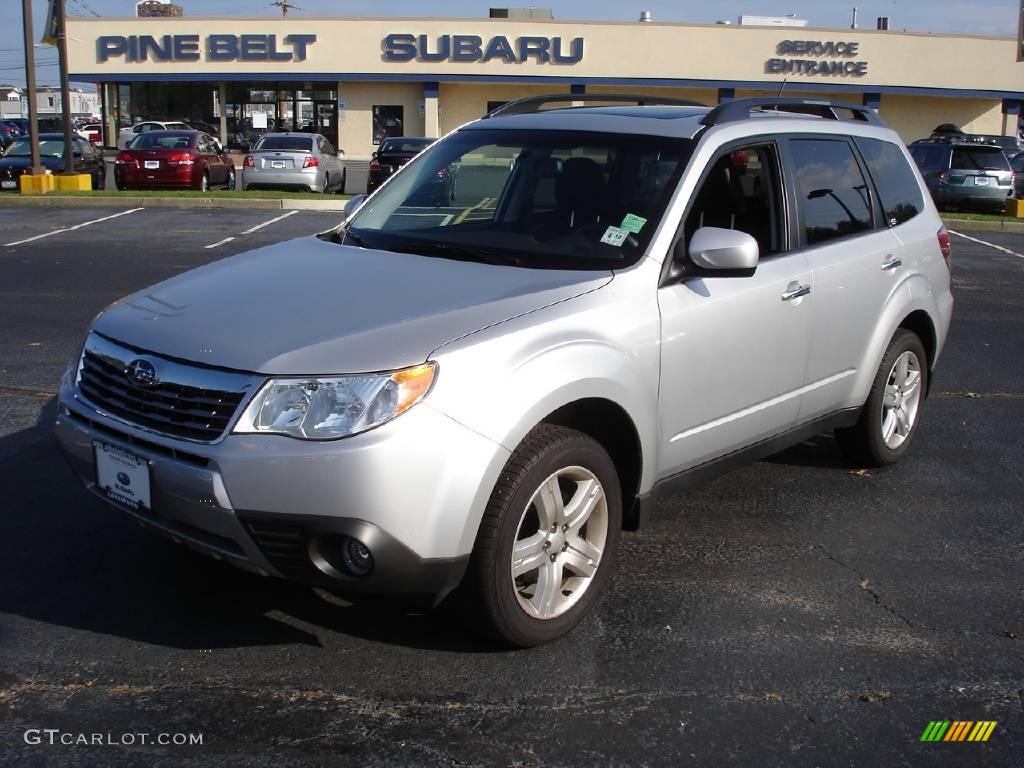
x: 312, y: 307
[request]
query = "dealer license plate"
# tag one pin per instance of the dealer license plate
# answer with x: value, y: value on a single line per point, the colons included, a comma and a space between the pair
x: 8, y: 185
x: 981, y: 179
x: 121, y: 475
x: 152, y: 163
x: 277, y: 163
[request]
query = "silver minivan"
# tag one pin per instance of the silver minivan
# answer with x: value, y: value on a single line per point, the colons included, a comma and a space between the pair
x: 469, y: 402
x: 306, y: 160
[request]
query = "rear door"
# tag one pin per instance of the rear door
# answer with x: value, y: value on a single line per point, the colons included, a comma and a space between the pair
x: 854, y: 258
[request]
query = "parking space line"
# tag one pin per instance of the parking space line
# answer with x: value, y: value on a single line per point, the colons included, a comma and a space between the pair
x: 985, y: 242
x: 268, y: 223
x: 72, y: 229
x: 219, y: 242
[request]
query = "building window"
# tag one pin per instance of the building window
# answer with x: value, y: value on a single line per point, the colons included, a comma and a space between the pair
x: 387, y: 122
x: 49, y: 101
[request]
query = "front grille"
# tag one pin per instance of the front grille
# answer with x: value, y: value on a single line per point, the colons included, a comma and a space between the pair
x: 173, y: 409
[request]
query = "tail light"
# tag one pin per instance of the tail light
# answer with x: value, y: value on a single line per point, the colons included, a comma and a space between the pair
x: 374, y: 165
x: 944, y: 245
x: 182, y: 158
x: 249, y: 162
x: 310, y: 162
x: 126, y: 158
x: 442, y: 173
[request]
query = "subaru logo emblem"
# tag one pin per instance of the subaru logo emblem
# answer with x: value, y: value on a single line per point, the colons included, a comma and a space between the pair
x: 123, y: 479
x: 141, y: 373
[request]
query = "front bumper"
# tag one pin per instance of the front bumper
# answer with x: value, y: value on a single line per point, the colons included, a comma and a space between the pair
x: 409, y: 490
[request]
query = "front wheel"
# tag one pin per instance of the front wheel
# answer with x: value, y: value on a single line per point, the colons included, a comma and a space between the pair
x: 889, y: 419
x: 547, y: 541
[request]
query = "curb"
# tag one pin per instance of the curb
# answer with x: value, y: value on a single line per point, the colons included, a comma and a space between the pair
x: 177, y: 202
x: 971, y: 225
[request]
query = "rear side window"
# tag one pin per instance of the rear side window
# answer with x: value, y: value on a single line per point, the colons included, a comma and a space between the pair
x: 929, y: 157
x: 979, y: 159
x: 895, y: 182
x: 831, y: 190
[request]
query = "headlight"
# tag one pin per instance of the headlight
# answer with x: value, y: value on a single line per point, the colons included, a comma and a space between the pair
x: 326, y: 408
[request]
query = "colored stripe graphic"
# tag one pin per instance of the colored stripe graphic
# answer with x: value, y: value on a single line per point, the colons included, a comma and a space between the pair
x: 935, y: 730
x: 958, y: 730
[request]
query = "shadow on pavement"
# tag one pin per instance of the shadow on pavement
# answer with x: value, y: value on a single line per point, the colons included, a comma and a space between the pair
x: 67, y: 559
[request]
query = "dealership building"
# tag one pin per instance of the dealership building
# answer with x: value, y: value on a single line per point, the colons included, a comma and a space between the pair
x: 358, y: 80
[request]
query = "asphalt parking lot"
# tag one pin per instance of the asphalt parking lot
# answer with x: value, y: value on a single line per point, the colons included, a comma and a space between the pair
x: 794, y: 612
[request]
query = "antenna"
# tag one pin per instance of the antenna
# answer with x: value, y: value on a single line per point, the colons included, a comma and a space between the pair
x: 782, y: 87
x: 285, y: 6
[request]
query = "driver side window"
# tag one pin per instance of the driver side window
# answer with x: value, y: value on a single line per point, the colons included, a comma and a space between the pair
x: 741, y: 192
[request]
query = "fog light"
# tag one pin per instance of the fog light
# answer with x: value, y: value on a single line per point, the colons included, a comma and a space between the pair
x: 357, y: 558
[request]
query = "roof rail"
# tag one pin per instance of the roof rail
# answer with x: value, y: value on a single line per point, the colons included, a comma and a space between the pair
x: 740, y: 109
x: 534, y: 103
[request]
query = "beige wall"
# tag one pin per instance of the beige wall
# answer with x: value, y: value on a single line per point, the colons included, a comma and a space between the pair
x: 356, y: 130
x: 914, y: 117
x: 462, y: 102
x: 622, y: 50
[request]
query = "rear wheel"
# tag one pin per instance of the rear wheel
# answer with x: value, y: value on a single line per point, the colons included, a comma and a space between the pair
x: 889, y: 419
x: 326, y: 185
x: 547, y: 542
x: 230, y: 185
x: 341, y: 187
x: 204, y: 182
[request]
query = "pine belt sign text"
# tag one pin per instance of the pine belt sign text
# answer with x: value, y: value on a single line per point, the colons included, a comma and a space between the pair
x: 815, y: 57
x: 135, y: 48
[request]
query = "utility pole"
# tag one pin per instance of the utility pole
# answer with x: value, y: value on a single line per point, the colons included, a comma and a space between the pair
x: 30, y: 86
x: 284, y: 5
x: 65, y: 86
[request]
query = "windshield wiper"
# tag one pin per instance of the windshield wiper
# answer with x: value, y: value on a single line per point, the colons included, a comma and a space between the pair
x: 460, y: 253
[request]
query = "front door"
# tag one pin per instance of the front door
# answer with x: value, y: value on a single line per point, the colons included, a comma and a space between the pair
x: 326, y: 119
x: 734, y: 349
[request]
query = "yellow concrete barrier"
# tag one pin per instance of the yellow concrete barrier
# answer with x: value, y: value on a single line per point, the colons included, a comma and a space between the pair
x: 77, y: 182
x: 35, y: 185
x: 1015, y: 207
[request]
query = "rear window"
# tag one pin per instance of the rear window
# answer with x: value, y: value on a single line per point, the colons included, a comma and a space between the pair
x: 161, y: 140
x: 399, y: 145
x: 897, y: 186
x: 979, y: 159
x: 286, y: 143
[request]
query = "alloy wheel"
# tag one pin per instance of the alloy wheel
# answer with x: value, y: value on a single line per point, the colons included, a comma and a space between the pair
x: 901, y: 400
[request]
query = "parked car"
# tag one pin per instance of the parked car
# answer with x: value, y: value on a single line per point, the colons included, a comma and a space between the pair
x: 1017, y: 164
x: 391, y: 155
x: 93, y: 132
x: 474, y: 406
x: 9, y: 131
x: 294, y: 159
x: 174, y: 159
x: 18, y: 159
x: 964, y: 175
x: 127, y: 135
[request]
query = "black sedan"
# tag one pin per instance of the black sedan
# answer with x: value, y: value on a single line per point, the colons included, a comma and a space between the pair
x: 18, y: 159
x: 1017, y: 163
x: 391, y: 155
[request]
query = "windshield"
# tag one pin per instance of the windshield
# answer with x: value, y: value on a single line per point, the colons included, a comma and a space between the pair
x: 542, y: 199
x: 47, y: 148
x: 288, y: 143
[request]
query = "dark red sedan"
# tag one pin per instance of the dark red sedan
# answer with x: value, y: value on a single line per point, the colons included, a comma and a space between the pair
x: 175, y: 159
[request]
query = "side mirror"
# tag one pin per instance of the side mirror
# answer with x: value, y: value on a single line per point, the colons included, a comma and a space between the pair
x: 353, y: 204
x: 723, y: 251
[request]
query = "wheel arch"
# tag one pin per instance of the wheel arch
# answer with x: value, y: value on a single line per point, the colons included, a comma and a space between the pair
x: 612, y: 427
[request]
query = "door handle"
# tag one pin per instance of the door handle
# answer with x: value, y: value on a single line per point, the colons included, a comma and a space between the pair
x: 796, y: 293
x: 892, y: 263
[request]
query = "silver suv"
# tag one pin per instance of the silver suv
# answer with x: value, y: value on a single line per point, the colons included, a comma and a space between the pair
x: 471, y: 398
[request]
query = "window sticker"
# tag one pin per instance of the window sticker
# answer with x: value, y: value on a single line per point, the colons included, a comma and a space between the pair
x: 633, y: 223
x: 615, y: 236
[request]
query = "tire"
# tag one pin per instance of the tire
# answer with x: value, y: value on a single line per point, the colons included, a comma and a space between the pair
x: 517, y: 610
x: 890, y: 417
x: 327, y: 185
x: 341, y: 187
x: 231, y: 183
x: 101, y: 181
x: 204, y: 183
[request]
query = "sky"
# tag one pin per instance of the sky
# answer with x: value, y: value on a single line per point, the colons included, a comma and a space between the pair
x: 979, y: 17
